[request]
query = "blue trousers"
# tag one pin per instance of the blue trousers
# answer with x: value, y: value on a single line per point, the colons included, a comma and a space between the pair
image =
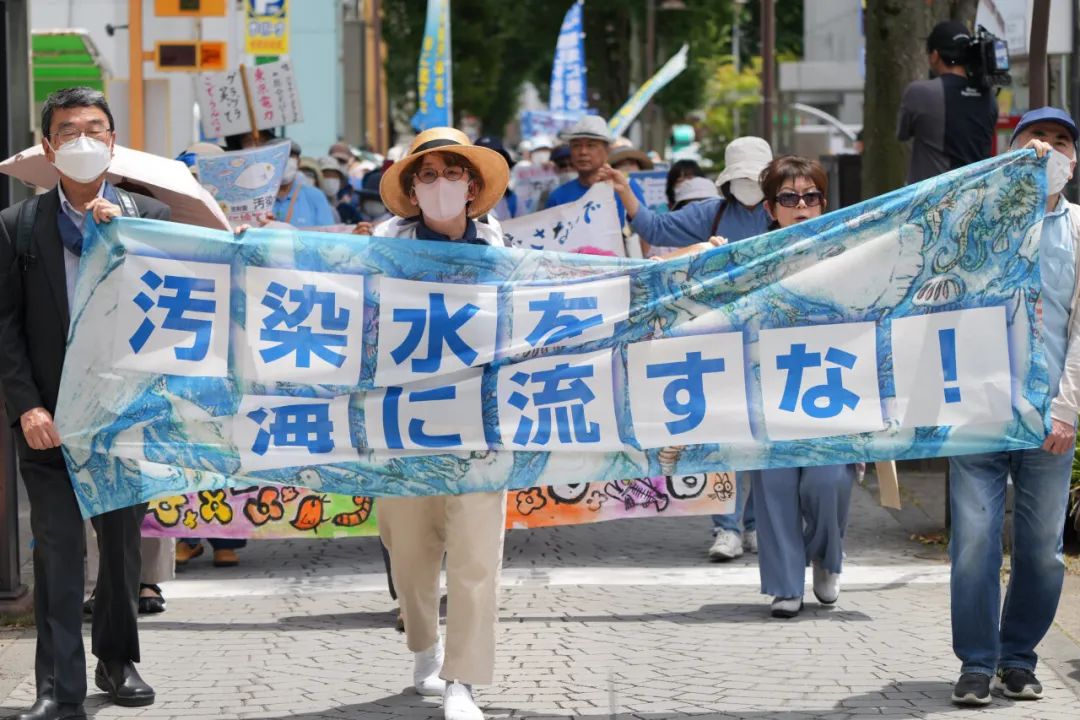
x: 986, y: 636
x: 801, y: 517
x: 743, y: 517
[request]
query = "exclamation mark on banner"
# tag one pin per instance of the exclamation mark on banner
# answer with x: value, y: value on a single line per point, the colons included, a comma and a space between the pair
x: 947, y: 341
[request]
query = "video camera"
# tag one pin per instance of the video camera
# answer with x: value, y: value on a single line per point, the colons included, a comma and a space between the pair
x: 986, y: 59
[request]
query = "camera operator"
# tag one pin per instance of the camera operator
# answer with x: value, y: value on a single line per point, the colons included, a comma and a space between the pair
x: 950, y: 117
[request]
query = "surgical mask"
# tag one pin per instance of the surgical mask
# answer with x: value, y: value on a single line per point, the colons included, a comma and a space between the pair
x: 1058, y: 172
x: 747, y: 191
x: 539, y: 157
x: 372, y: 208
x: 83, y: 159
x: 291, y: 168
x: 331, y: 186
x: 443, y: 199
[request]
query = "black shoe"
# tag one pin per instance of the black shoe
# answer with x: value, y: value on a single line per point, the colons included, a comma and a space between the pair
x: 121, y: 681
x: 972, y: 689
x: 150, y: 605
x: 45, y: 708
x: 88, y: 606
x: 1018, y: 684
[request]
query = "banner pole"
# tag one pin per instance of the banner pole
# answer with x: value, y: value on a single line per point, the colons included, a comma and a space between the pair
x: 250, y: 103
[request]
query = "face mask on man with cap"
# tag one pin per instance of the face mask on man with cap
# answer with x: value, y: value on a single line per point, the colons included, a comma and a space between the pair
x: 746, y: 191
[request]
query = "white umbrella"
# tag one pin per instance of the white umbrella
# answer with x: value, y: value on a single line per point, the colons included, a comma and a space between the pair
x: 168, y: 180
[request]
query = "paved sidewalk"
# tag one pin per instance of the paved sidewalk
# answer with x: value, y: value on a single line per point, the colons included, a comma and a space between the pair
x: 619, y: 620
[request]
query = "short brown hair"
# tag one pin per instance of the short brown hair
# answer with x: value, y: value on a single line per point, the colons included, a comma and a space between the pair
x: 787, y: 168
x: 452, y: 159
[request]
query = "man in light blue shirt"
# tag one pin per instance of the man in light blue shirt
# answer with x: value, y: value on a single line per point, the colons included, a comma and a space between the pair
x: 995, y: 645
x: 298, y: 204
x: 590, y: 143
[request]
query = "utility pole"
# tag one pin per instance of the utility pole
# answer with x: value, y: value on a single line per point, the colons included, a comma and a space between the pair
x: 768, y: 68
x: 136, y: 116
x: 1040, y: 27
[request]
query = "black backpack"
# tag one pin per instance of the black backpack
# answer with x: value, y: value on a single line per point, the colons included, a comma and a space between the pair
x: 24, y: 230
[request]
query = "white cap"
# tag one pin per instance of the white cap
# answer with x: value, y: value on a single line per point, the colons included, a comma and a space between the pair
x: 589, y: 127
x: 695, y: 188
x: 745, y: 157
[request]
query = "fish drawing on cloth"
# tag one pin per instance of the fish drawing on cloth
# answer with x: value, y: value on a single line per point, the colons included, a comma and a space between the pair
x: 255, y: 176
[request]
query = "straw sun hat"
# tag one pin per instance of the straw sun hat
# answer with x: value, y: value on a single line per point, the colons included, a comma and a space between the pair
x: 489, y: 164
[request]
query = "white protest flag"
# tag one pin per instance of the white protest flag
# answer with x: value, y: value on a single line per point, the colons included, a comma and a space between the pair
x: 590, y: 225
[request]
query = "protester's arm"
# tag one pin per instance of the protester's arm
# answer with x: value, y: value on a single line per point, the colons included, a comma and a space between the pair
x: 686, y: 226
x: 621, y: 184
x: 905, y: 118
x: 16, y: 378
x: 1065, y: 406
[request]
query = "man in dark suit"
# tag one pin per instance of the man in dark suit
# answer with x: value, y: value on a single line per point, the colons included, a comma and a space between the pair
x: 40, y: 244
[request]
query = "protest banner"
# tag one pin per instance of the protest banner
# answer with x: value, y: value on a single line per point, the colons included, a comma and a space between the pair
x: 653, y: 185
x: 266, y: 27
x: 245, y: 182
x: 532, y: 184
x: 547, y: 122
x: 903, y: 327
x: 434, y: 75
x: 271, y: 511
x: 620, y: 121
x: 568, y: 91
x: 589, y: 225
x: 249, y: 99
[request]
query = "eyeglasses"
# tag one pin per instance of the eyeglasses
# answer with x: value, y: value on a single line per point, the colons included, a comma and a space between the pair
x: 66, y: 136
x: 791, y: 199
x: 453, y: 173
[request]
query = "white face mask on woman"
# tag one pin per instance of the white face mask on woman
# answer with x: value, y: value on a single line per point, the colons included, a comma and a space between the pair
x: 292, y: 166
x: 83, y: 159
x: 331, y: 186
x: 443, y: 199
x: 747, y: 191
x: 1058, y: 172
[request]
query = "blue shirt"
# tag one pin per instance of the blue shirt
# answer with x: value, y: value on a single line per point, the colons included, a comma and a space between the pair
x: 1057, y: 265
x: 575, y: 189
x: 693, y: 223
x: 312, y: 209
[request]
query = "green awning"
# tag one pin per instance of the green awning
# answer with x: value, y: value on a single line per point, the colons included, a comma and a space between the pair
x: 63, y: 58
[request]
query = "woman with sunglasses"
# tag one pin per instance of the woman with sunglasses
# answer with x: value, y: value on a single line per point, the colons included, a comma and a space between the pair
x: 801, y: 512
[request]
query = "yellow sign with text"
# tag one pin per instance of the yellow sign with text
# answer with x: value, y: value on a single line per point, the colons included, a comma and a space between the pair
x: 266, y: 27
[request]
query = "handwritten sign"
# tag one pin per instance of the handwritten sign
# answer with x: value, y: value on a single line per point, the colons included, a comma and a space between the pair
x: 274, y: 97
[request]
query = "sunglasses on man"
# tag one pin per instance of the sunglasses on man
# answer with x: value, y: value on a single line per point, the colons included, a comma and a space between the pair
x: 791, y: 199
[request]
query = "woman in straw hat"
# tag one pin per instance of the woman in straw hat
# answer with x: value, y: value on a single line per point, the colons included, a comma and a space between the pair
x: 437, y: 192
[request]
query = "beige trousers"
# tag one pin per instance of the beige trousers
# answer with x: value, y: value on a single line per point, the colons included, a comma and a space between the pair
x: 158, y: 559
x: 469, y: 529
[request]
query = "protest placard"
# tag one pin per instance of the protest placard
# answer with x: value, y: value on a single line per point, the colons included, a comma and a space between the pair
x: 653, y: 185
x: 532, y: 184
x: 245, y: 182
x: 900, y: 328
x: 248, y: 99
x: 589, y: 225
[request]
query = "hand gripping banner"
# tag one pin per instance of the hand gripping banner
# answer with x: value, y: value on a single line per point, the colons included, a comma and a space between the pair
x: 904, y: 327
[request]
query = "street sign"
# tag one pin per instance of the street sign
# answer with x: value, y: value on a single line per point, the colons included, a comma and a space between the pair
x: 190, y: 56
x: 189, y: 8
x: 266, y: 27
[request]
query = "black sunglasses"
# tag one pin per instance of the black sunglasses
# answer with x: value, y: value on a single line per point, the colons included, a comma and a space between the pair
x: 791, y: 199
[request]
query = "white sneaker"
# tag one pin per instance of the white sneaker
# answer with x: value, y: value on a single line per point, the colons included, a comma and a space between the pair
x: 749, y: 541
x: 458, y: 703
x: 726, y: 546
x: 826, y: 585
x: 786, y: 607
x: 427, y: 665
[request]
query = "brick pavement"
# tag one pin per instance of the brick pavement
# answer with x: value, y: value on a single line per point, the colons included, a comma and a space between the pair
x: 620, y: 620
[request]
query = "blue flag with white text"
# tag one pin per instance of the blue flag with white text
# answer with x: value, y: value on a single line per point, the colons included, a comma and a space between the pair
x: 434, y: 75
x: 568, y: 87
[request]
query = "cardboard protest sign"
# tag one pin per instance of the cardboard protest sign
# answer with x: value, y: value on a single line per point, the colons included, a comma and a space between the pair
x: 245, y: 182
x: 248, y: 99
x: 589, y: 225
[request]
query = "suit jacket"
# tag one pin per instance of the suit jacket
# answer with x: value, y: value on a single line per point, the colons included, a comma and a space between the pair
x: 34, y: 315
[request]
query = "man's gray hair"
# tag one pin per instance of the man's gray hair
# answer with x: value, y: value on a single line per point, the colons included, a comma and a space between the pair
x: 73, y: 97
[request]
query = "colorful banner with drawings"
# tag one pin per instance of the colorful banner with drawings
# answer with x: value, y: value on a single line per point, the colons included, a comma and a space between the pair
x: 568, y: 91
x: 434, y: 76
x: 590, y: 226
x: 620, y: 121
x: 272, y: 511
x: 245, y: 182
x: 900, y: 328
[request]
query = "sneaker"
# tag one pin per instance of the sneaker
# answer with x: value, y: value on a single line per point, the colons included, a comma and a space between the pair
x: 826, y: 585
x: 458, y: 703
x: 726, y: 546
x: 786, y: 607
x: 427, y: 665
x: 972, y: 689
x: 749, y: 541
x: 1018, y: 684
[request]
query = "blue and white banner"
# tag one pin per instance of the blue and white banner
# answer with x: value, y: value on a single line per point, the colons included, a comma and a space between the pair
x: 903, y: 327
x: 434, y: 76
x: 589, y: 226
x: 568, y: 86
x: 621, y: 120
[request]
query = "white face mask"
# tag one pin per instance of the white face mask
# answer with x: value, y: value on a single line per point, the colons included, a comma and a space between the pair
x: 291, y: 168
x: 331, y: 186
x: 443, y: 199
x: 83, y: 159
x: 747, y: 191
x: 1058, y: 172
x: 539, y: 157
x: 372, y: 208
